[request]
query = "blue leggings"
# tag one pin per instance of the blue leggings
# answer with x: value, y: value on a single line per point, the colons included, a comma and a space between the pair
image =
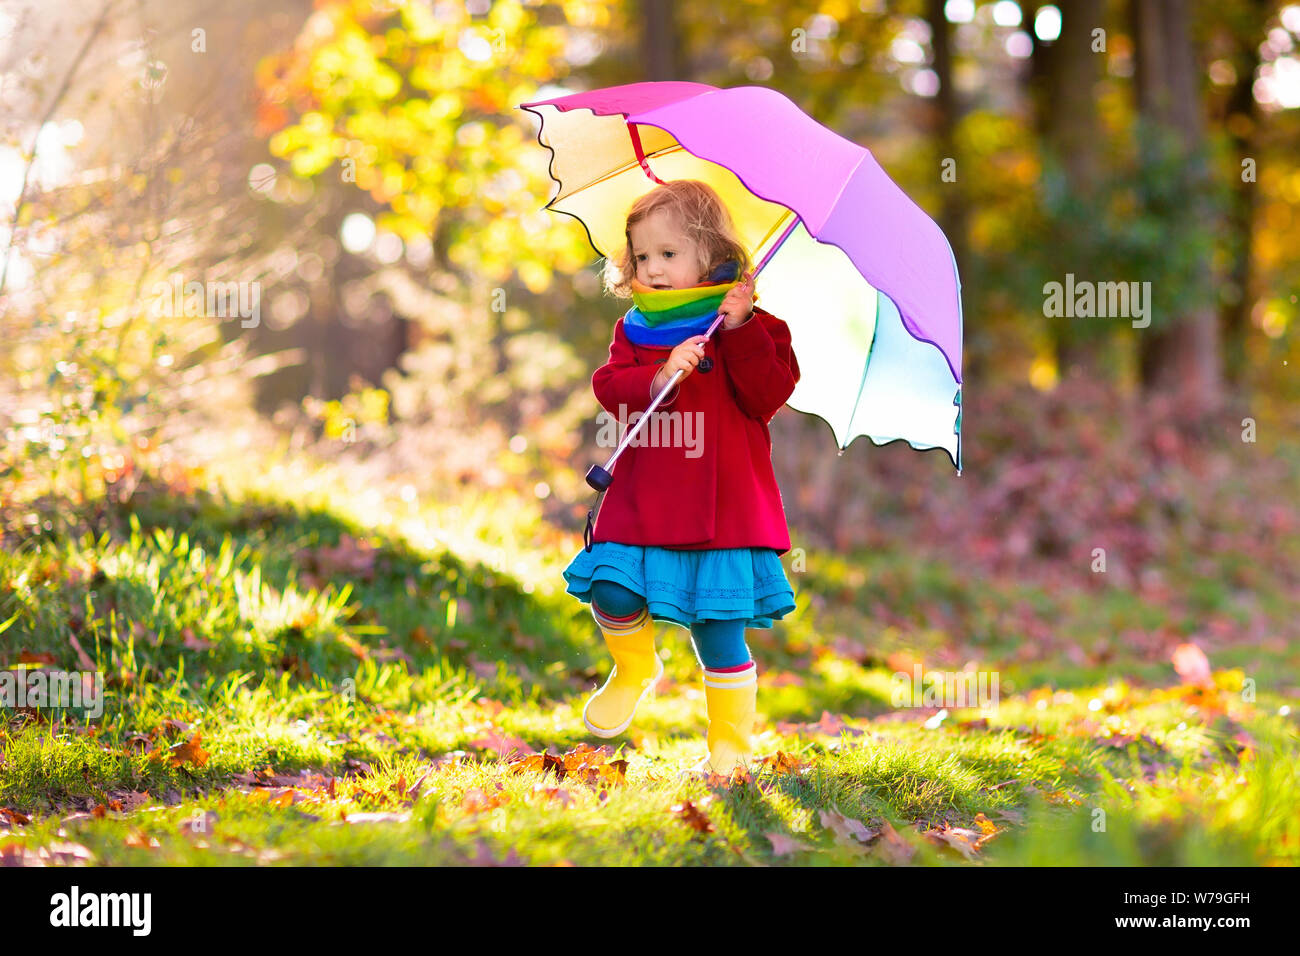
x: 717, y: 643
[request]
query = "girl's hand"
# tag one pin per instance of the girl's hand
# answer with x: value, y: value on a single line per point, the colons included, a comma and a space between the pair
x: 738, y: 304
x: 685, y: 357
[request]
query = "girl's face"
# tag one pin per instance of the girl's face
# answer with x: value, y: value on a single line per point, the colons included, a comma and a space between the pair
x: 665, y: 258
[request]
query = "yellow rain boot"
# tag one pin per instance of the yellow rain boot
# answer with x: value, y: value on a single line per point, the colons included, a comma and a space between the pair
x: 637, y: 668
x: 731, y: 697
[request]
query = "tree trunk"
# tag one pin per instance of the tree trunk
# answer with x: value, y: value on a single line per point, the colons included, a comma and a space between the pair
x: 659, y: 40
x: 953, y: 215
x: 1241, y: 119
x: 1180, y: 358
x: 1064, y: 79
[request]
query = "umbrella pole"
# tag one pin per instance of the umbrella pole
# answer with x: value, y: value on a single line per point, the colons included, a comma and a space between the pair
x: 601, y: 478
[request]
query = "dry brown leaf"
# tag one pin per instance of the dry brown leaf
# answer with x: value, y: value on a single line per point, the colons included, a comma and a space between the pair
x: 32, y: 657
x: 539, y: 763
x: 189, y: 752
x: 11, y: 817
x: 845, y: 828
x: 1010, y: 815
x: 782, y: 762
x: 892, y: 847
x: 783, y: 845
x: 476, y: 801
x: 967, y: 842
x: 554, y: 793
x: 692, y: 816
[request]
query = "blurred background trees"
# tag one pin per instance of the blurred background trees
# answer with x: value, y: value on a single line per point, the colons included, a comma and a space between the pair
x: 361, y: 165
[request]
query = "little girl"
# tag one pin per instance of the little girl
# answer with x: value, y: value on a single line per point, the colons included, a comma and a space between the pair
x: 691, y: 536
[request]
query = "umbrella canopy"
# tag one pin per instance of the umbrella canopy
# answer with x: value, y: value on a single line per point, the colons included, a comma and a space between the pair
x: 866, y: 280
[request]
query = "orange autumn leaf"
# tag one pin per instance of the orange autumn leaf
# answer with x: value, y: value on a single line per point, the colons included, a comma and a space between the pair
x: 31, y: 657
x: 14, y: 816
x: 615, y: 771
x: 554, y: 794
x: 782, y: 762
x: 138, y: 839
x: 539, y: 763
x: 964, y: 841
x: 189, y: 752
x: 692, y: 816
x: 476, y: 801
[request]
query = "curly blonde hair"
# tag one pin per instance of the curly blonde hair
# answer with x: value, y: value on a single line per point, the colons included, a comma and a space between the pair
x: 702, y: 217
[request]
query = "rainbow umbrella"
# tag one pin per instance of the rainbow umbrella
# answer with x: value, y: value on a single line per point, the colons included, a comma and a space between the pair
x: 865, y: 280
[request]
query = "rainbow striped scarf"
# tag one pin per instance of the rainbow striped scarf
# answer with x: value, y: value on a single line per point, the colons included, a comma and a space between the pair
x: 671, y: 316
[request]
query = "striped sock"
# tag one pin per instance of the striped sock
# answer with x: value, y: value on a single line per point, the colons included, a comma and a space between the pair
x: 732, y: 677
x: 728, y: 670
x: 621, y: 625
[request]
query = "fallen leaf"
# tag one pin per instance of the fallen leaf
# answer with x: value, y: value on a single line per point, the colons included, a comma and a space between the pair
x: 137, y: 838
x: 539, y: 763
x: 892, y: 846
x: 964, y: 841
x: 476, y: 801
x: 782, y: 762
x: 32, y: 657
x: 783, y: 845
x: 692, y: 816
x: 1011, y: 815
x: 554, y: 793
x: 189, y: 752
x: 846, y: 828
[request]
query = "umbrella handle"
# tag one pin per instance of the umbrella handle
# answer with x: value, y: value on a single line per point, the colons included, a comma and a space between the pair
x: 601, y: 478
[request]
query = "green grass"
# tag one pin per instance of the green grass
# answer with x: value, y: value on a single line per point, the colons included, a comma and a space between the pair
x: 335, y: 664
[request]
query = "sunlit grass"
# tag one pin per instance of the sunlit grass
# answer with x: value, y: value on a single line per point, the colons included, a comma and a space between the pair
x: 400, y: 650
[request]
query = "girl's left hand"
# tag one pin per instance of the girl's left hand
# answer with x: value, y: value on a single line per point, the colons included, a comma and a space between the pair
x: 738, y: 304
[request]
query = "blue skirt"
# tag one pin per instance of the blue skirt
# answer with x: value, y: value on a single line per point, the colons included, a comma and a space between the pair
x: 684, y: 587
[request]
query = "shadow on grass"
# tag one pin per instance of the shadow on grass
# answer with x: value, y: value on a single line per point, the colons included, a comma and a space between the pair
x: 163, y: 584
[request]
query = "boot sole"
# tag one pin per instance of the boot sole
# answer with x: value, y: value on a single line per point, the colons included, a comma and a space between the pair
x: 606, y: 733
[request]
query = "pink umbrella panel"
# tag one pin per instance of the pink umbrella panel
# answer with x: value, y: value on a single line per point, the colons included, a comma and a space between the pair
x: 867, y: 281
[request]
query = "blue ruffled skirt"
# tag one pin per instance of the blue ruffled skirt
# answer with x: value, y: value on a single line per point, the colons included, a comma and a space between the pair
x: 689, y: 586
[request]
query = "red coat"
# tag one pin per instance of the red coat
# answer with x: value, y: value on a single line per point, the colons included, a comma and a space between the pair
x: 711, y: 486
